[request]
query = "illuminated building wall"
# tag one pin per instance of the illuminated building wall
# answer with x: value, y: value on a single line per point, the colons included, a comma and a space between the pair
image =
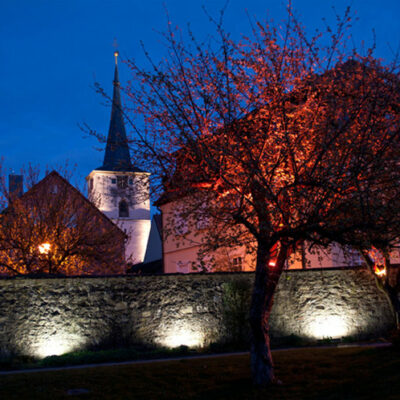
x: 47, y: 316
x: 183, y: 239
x: 107, y: 196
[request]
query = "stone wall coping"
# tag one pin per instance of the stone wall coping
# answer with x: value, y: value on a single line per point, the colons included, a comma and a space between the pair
x: 172, y: 275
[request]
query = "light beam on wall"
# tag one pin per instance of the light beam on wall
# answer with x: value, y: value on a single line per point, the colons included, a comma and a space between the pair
x: 57, y: 344
x: 328, y: 326
x: 182, y: 333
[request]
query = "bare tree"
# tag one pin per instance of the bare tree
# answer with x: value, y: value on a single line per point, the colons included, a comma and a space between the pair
x: 276, y: 138
x: 54, y: 229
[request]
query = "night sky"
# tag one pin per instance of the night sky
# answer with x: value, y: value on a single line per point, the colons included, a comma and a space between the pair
x: 53, y: 51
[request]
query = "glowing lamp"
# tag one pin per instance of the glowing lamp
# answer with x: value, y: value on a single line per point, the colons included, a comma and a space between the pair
x: 182, y: 338
x: 53, y: 347
x: 44, y: 248
x: 381, y: 272
x: 182, y: 333
x: 56, y: 345
x: 329, y: 326
x: 272, y: 264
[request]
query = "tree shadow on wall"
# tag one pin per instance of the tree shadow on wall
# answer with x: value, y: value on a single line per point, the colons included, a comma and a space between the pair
x: 118, y: 334
x: 236, y: 298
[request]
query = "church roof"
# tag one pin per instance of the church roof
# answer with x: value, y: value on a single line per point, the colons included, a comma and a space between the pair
x: 117, y: 157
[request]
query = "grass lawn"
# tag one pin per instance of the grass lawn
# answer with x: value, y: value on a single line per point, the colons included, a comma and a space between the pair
x: 337, y: 373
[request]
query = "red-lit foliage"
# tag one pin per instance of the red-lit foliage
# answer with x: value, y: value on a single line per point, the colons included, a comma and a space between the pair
x: 54, y: 229
x: 279, y: 139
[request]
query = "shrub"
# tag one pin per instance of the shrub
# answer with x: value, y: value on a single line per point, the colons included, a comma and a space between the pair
x: 235, y: 311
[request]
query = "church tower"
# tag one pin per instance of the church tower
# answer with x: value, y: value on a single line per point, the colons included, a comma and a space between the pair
x: 118, y: 188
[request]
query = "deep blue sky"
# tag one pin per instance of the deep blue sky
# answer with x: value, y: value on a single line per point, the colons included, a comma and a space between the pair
x: 53, y: 51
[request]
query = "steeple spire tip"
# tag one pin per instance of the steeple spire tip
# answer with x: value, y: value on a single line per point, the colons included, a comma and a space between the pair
x: 116, y: 52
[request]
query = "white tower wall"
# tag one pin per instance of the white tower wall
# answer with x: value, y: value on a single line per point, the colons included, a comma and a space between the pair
x: 138, y: 235
x: 107, y: 189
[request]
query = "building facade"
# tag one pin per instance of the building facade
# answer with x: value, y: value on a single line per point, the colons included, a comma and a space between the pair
x: 183, y: 241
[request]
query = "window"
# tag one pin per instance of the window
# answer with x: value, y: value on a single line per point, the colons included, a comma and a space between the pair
x: 54, y: 189
x: 202, y: 217
x: 395, y: 254
x: 195, y: 266
x: 205, y: 263
x: 131, y: 181
x: 71, y: 222
x: 123, y: 209
x: 113, y: 181
x: 181, y: 225
x: 91, y: 184
x: 203, y: 222
x: 237, y: 264
x: 183, y: 267
x: 122, y: 182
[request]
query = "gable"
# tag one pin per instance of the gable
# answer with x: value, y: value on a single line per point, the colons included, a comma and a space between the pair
x: 54, y: 185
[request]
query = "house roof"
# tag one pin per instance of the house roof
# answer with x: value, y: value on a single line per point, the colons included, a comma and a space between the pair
x: 55, y: 175
x: 188, y: 165
x: 158, y: 221
x: 117, y: 157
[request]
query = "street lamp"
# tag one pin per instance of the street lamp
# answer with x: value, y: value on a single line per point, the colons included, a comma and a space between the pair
x: 44, y: 248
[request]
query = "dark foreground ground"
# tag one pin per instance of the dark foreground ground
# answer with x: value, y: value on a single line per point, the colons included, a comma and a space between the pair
x: 335, y: 373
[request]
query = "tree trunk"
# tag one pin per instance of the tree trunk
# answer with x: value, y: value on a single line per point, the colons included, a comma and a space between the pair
x: 394, y: 302
x: 266, y: 280
x: 390, y: 292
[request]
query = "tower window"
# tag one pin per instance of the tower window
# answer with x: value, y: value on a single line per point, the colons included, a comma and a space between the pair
x: 91, y: 184
x: 114, y: 181
x: 123, y: 209
x: 183, y: 267
x: 122, y: 182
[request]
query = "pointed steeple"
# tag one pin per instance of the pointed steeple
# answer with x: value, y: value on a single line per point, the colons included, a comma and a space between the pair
x: 117, y: 156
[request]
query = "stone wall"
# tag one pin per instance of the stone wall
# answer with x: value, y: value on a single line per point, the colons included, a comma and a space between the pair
x: 46, y: 316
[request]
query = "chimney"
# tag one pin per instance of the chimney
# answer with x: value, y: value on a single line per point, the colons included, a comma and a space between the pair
x: 15, y: 186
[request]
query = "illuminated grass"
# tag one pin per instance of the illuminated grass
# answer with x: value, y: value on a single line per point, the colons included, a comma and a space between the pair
x: 344, y: 373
